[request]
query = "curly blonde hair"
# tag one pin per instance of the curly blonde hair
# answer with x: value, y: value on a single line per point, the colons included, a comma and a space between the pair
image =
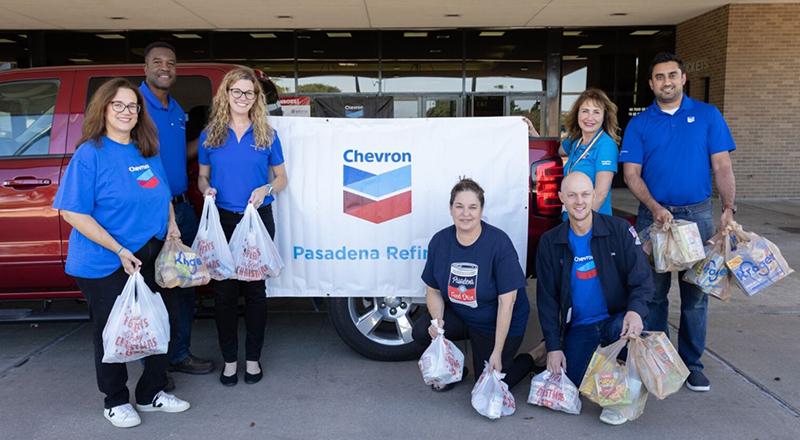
x: 610, y: 124
x: 217, y: 129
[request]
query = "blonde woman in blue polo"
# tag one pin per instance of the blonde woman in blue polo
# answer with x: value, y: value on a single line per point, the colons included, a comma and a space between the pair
x: 591, y: 144
x: 238, y: 150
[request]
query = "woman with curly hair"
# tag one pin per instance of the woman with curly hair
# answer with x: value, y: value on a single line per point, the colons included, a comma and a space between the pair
x: 238, y: 150
x: 591, y: 144
x: 115, y: 195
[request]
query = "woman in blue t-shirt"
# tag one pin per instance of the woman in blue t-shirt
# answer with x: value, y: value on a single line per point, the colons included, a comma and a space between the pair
x: 591, y: 144
x: 238, y: 151
x: 475, y: 288
x: 115, y: 195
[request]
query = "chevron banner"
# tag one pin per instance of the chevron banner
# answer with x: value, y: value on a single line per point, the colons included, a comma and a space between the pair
x: 365, y: 196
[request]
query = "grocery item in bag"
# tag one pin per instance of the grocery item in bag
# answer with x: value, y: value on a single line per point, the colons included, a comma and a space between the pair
x: 675, y: 246
x: 491, y: 397
x: 138, y: 325
x: 757, y: 264
x: 555, y: 391
x: 442, y: 362
x: 711, y: 275
x: 178, y: 265
x: 254, y: 254
x: 658, y: 364
x: 211, y: 245
x: 612, y: 385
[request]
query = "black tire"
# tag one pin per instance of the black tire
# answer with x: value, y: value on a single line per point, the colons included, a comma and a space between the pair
x: 384, y: 341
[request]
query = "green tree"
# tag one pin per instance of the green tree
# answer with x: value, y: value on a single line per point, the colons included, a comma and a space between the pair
x: 443, y: 109
x: 317, y: 88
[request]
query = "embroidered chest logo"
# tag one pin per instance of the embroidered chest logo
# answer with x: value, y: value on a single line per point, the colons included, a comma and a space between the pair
x: 690, y: 119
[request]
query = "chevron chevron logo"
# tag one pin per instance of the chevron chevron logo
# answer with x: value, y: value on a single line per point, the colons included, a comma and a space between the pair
x: 377, y: 198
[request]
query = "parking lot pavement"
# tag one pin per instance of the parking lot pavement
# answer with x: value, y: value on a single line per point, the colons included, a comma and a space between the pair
x: 316, y: 388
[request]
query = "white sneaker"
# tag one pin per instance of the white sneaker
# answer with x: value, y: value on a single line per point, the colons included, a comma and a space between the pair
x: 612, y: 417
x: 122, y: 416
x: 165, y: 402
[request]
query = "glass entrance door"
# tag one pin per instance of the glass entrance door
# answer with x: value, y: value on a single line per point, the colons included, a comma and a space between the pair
x: 441, y: 107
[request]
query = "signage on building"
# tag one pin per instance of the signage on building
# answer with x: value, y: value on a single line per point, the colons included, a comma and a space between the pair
x: 365, y: 197
x: 296, y: 106
x: 696, y: 66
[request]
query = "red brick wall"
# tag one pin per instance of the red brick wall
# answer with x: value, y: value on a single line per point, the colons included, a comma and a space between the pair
x: 753, y: 56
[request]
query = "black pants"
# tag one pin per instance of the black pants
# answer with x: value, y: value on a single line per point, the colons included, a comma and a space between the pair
x: 100, y: 294
x: 226, y: 299
x: 455, y: 329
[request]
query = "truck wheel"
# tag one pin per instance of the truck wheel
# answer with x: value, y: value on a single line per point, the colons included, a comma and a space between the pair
x: 378, y: 328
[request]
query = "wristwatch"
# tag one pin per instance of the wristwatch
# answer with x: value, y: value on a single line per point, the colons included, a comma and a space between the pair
x: 731, y: 207
x: 269, y: 190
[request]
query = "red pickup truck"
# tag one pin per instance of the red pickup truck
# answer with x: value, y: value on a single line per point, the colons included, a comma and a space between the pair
x: 41, y: 111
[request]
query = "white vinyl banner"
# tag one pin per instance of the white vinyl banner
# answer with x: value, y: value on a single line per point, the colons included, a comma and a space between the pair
x: 365, y: 196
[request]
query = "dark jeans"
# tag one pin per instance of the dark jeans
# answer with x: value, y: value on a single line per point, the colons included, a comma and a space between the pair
x: 100, y: 294
x: 455, y: 329
x: 182, y: 333
x: 226, y: 299
x: 582, y: 341
x: 694, y: 303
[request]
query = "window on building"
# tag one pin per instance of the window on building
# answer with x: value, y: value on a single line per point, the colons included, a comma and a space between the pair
x: 423, y: 62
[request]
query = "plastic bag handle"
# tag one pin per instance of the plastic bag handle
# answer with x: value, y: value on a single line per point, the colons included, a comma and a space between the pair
x: 436, y: 323
x: 207, y: 202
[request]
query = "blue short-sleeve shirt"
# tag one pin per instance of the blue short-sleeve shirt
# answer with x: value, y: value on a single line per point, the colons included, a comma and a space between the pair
x: 238, y: 167
x: 602, y: 157
x: 675, y: 150
x: 125, y: 193
x: 472, y: 277
x: 171, y: 124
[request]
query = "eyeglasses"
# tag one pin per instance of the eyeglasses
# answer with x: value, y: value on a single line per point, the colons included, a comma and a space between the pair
x: 119, y: 107
x: 237, y: 93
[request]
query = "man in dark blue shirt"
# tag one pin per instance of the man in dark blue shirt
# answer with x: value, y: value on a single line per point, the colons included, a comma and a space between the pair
x: 161, y: 72
x: 593, y: 286
x: 669, y: 151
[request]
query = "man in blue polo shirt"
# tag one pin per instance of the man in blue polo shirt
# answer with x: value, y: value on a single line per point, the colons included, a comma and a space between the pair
x: 170, y: 120
x: 669, y: 151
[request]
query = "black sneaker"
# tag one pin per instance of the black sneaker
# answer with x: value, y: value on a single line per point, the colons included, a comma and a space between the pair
x: 697, y: 381
x: 193, y: 365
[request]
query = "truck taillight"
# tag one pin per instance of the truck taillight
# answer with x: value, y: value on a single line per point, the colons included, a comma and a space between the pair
x: 546, y: 178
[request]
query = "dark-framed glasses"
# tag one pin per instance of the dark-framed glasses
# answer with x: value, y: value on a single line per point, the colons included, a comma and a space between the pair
x: 237, y: 93
x: 119, y: 107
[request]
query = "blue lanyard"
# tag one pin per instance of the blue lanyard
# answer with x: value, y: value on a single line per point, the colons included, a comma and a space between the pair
x: 572, y: 161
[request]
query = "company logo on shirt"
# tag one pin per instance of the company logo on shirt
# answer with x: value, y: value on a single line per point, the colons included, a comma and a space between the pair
x: 144, y: 176
x: 586, y: 269
x: 463, y: 284
x: 690, y: 119
x: 377, y: 196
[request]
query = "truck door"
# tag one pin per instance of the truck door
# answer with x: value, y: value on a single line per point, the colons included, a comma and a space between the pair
x: 33, y: 126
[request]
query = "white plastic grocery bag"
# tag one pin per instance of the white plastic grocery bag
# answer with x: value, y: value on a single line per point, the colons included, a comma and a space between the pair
x: 255, y: 256
x: 555, y: 391
x: 138, y: 325
x: 442, y: 362
x: 491, y: 397
x: 211, y: 245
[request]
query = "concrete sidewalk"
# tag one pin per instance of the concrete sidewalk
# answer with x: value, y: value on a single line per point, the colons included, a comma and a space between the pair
x: 316, y: 388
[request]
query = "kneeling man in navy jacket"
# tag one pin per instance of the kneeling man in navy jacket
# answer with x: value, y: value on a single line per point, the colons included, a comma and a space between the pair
x: 594, y: 283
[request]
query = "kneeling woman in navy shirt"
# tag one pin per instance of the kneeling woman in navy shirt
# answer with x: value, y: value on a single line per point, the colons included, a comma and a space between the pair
x: 115, y: 195
x: 476, y: 288
x: 238, y: 150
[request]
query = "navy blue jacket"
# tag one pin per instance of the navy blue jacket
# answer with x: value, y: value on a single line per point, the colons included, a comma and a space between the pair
x: 625, y: 275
